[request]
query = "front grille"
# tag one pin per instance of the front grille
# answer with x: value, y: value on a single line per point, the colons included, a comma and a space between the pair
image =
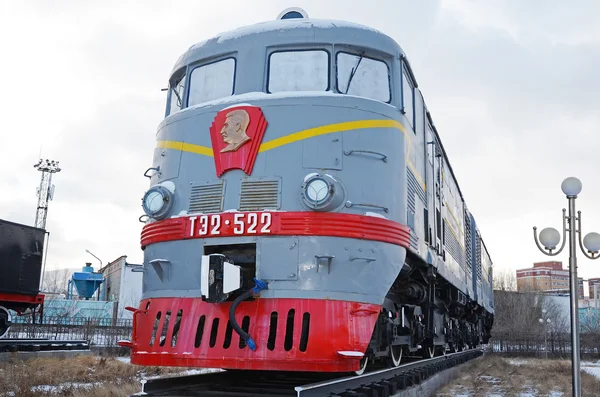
x: 260, y: 194
x: 206, y: 197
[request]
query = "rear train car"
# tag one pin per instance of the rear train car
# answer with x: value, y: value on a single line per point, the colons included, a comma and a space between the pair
x: 302, y: 214
x: 21, y: 254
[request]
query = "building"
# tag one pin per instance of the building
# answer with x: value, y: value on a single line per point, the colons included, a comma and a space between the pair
x: 546, y: 276
x: 591, y: 283
x: 123, y: 285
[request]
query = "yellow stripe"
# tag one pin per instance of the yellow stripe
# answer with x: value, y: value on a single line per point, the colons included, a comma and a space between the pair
x: 185, y: 147
x: 328, y: 129
x: 310, y: 133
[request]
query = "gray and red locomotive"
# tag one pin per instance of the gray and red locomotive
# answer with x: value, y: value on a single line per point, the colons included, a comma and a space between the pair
x: 302, y: 214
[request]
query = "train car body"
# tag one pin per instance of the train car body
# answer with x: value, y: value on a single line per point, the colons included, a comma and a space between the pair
x: 21, y: 254
x: 302, y: 213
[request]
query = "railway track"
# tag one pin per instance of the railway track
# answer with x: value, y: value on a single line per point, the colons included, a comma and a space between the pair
x: 385, y: 382
x: 35, y: 345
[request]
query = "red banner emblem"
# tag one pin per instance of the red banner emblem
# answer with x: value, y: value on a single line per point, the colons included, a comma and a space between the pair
x: 236, y: 135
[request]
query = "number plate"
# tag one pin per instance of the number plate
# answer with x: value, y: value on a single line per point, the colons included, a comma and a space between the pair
x: 228, y: 224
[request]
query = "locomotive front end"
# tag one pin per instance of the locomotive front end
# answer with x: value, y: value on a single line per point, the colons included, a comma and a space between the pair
x: 276, y: 209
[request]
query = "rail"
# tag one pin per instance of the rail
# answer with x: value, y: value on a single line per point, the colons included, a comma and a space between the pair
x: 14, y: 345
x: 265, y: 383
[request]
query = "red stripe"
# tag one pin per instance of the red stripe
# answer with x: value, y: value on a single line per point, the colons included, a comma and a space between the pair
x: 277, y: 224
x: 22, y: 298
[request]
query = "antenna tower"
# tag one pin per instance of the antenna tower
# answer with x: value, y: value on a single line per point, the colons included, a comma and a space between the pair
x: 46, y: 190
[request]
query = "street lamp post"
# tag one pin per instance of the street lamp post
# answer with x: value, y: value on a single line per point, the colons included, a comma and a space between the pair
x: 549, y: 239
x: 88, y: 251
x: 544, y: 323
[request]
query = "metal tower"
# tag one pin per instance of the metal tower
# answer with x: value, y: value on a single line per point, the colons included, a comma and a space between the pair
x: 45, y: 191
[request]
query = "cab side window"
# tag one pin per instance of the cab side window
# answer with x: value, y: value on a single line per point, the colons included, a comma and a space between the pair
x: 408, y: 97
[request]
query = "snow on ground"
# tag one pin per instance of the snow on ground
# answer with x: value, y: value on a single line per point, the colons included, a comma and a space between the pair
x: 494, y: 376
x: 64, y: 386
x: 592, y: 368
x: 197, y: 371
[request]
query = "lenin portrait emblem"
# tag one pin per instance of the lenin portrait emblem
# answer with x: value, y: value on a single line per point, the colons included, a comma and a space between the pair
x: 236, y: 135
x: 234, y: 130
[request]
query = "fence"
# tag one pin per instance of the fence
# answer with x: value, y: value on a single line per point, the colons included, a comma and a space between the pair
x: 552, y: 345
x: 99, y: 332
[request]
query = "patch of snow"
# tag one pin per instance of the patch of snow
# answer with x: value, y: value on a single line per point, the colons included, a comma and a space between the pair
x: 59, y: 388
x: 331, y: 176
x: 197, y: 371
x: 169, y: 185
x: 232, y: 100
x: 307, y: 177
x: 182, y: 214
x: 351, y: 353
x: 287, y: 24
x: 235, y: 105
x: 592, y: 370
x: 259, y: 95
x: 126, y: 360
x: 518, y: 362
x: 375, y: 215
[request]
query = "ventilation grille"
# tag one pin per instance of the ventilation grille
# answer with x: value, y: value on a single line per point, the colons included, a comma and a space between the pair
x: 478, y: 255
x: 206, y: 197
x: 414, y: 186
x: 260, y: 194
x: 468, y: 243
x: 453, y: 247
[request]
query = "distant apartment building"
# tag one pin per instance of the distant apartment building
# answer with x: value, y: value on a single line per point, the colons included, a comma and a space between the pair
x: 546, y: 276
x: 591, y: 283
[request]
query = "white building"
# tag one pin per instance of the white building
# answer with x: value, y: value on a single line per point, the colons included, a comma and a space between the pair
x: 123, y: 284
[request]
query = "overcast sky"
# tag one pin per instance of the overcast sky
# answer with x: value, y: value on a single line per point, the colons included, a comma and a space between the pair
x: 512, y: 87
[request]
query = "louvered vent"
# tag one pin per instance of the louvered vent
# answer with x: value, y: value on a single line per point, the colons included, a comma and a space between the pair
x: 478, y: 254
x: 206, y: 197
x: 260, y: 194
x: 468, y: 244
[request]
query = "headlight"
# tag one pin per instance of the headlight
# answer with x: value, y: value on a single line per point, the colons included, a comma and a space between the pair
x: 157, y: 202
x: 322, y: 192
x: 317, y: 190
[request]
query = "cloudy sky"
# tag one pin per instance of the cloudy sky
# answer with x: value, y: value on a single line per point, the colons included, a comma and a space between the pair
x: 512, y: 87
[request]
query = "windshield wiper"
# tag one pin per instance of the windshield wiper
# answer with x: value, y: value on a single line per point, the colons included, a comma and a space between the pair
x: 353, y: 72
x: 177, y: 94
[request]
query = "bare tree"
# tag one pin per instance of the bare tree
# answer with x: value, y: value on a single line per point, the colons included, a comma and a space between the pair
x: 505, y: 280
x: 56, y: 281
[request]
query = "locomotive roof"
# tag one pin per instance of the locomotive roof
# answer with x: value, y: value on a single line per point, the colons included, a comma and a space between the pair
x: 304, y: 31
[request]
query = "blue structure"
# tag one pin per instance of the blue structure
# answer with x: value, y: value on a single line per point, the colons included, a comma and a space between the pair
x: 86, y: 282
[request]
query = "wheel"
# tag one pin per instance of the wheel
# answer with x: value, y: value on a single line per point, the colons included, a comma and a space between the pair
x: 363, y: 365
x: 428, y: 351
x: 5, y: 321
x: 452, y: 347
x: 441, y: 350
x: 396, y: 355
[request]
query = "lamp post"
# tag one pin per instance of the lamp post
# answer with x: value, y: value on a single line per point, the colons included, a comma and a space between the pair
x: 88, y: 251
x: 549, y: 238
x: 544, y: 323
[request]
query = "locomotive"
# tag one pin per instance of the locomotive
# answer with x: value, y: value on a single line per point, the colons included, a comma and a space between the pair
x: 302, y: 213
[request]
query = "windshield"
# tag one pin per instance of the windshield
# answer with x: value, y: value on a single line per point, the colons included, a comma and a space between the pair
x: 362, y: 76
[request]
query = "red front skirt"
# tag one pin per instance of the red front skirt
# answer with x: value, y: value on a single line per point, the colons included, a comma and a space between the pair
x: 290, y: 334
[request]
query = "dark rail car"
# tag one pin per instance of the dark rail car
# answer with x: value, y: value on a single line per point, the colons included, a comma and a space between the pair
x: 21, y: 256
